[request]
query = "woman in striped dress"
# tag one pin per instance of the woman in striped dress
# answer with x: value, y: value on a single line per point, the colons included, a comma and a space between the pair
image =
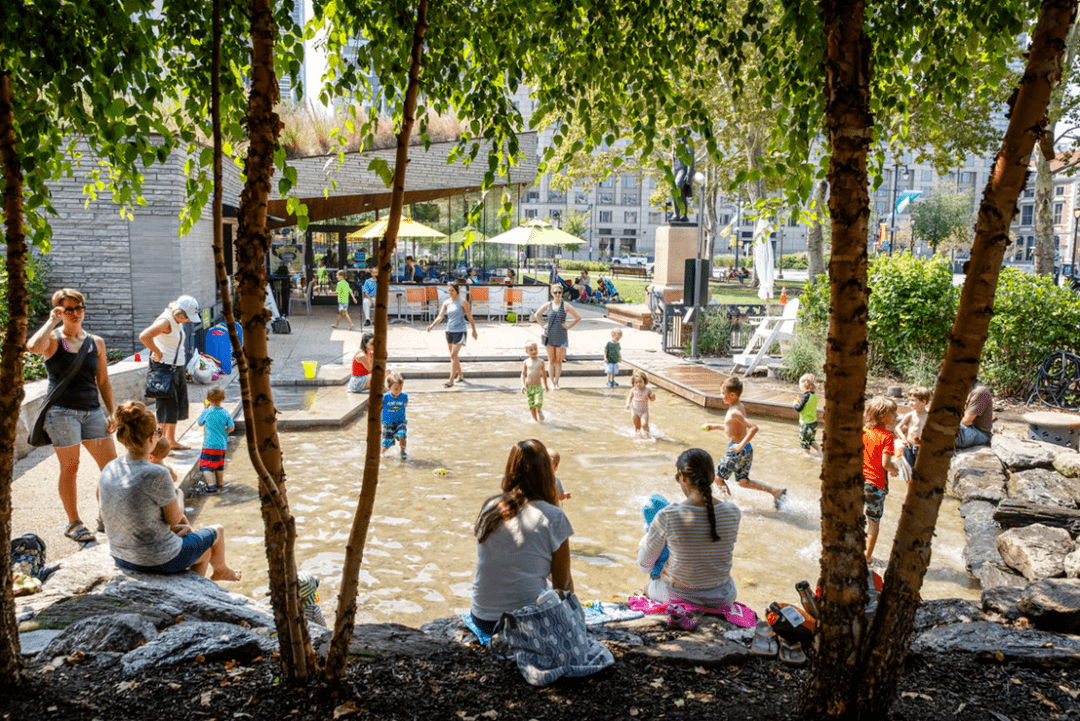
x: 699, y: 533
x: 556, y: 338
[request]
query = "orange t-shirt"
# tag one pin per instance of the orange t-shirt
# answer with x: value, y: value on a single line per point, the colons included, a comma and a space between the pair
x: 876, y: 442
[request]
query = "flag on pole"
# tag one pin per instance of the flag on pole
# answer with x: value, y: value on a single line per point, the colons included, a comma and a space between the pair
x: 905, y: 200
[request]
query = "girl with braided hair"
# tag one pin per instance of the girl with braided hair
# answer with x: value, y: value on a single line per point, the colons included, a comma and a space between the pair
x: 522, y: 538
x: 699, y: 534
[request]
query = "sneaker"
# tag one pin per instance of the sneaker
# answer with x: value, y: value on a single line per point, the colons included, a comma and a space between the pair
x: 614, y: 384
x: 777, y: 502
x: 404, y: 456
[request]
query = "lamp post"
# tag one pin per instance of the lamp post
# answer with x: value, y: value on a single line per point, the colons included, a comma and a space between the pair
x: 1072, y: 262
x: 892, y: 212
x: 698, y: 179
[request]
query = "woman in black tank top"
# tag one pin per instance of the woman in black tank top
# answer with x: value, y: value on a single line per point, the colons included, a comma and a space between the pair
x: 76, y: 417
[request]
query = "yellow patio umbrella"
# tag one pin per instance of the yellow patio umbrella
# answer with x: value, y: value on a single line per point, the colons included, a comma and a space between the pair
x: 409, y: 228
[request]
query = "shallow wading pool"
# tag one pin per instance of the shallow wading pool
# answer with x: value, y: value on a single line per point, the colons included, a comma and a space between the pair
x: 420, y: 553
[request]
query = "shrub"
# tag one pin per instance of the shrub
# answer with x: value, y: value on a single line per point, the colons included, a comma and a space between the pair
x: 40, y: 303
x: 1032, y: 317
x: 814, y: 305
x: 805, y: 354
x: 714, y: 332
x: 593, y: 266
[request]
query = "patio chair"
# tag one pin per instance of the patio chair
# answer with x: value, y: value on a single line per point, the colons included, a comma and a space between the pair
x: 514, y: 303
x: 431, y: 295
x: 479, y: 298
x: 416, y: 303
x: 770, y: 329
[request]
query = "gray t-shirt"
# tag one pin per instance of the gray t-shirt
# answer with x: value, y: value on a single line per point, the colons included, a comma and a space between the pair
x: 132, y: 494
x: 513, y: 563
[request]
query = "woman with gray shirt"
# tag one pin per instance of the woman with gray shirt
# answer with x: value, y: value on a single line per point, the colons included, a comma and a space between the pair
x: 144, y: 513
x: 557, y: 339
x: 164, y: 338
x: 457, y: 311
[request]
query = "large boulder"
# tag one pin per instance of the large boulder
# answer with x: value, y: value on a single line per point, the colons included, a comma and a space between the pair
x: 189, y: 643
x: 993, y: 642
x: 1003, y: 601
x: 708, y: 646
x: 67, y: 611
x: 393, y: 639
x: 995, y: 575
x: 117, y: 632
x: 976, y: 474
x: 1053, y: 604
x: 194, y: 597
x: 1020, y: 453
x: 943, y: 611
x: 1072, y: 565
x: 1037, y: 551
x: 1044, y: 486
x: 981, y: 531
x: 1068, y: 464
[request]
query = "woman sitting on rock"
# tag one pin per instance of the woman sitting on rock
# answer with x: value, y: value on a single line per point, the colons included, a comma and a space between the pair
x: 522, y: 538
x: 144, y: 513
x: 699, y: 534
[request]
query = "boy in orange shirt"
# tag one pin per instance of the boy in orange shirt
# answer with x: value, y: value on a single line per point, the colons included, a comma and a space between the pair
x: 878, y: 448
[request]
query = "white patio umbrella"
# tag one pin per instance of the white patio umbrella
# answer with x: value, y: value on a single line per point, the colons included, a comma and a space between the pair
x: 763, y: 259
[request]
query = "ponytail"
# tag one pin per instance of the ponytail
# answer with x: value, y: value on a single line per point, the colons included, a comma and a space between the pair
x: 697, y: 465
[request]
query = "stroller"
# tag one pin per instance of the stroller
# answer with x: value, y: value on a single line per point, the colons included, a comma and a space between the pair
x: 606, y: 290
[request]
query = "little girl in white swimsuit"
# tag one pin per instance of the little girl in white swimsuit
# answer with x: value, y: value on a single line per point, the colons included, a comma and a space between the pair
x: 638, y: 403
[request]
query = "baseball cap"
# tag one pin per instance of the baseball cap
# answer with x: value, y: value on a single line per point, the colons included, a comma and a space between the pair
x: 189, y: 305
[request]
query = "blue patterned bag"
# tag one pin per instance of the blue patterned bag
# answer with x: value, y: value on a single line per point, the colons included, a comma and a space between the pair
x: 550, y: 642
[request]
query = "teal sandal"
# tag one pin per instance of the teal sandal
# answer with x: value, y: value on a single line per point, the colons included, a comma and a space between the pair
x: 78, y: 532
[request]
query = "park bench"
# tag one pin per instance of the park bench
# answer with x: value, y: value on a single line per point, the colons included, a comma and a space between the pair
x: 630, y: 271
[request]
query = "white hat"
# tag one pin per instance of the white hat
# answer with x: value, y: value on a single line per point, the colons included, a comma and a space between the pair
x: 189, y: 305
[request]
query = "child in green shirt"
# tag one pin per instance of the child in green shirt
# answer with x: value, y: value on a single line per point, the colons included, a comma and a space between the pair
x: 344, y: 292
x: 807, y: 408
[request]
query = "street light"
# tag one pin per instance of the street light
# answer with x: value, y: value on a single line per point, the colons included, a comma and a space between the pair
x: 1072, y: 263
x: 892, y: 212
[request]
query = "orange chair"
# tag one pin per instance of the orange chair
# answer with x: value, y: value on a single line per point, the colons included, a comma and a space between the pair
x: 417, y: 303
x: 431, y: 295
x: 514, y: 303
x: 478, y: 299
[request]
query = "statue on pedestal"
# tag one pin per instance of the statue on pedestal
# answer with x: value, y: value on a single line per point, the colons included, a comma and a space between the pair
x: 684, y: 178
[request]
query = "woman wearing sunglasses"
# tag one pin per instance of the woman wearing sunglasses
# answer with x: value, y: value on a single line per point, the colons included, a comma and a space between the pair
x: 76, y: 416
x: 556, y: 338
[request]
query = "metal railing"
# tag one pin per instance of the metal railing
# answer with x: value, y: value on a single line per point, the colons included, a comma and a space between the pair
x: 675, y: 334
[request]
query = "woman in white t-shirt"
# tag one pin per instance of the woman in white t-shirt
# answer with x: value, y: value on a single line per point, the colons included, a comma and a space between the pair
x: 522, y: 538
x: 699, y: 533
x: 144, y: 513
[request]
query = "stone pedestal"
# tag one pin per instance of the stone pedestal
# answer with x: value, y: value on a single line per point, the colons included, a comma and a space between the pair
x: 674, y: 244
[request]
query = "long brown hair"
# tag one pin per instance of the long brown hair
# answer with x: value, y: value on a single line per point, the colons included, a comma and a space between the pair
x: 697, y: 465
x: 528, y: 477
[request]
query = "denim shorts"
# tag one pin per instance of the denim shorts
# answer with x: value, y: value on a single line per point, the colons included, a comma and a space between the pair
x: 67, y: 427
x: 612, y: 369
x: 195, y: 544
x: 342, y: 307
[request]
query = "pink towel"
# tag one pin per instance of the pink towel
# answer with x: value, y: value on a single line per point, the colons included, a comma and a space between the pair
x: 737, y: 613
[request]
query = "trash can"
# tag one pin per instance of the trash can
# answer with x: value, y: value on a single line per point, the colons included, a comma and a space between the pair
x: 280, y: 287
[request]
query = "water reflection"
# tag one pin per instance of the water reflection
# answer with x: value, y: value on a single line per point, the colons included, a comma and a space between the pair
x: 420, y: 552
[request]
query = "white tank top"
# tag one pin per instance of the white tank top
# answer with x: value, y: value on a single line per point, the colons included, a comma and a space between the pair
x: 167, y: 343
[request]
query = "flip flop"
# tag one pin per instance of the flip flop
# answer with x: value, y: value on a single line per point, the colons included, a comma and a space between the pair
x: 448, y: 384
x: 778, y: 501
x: 764, y: 643
x: 792, y: 653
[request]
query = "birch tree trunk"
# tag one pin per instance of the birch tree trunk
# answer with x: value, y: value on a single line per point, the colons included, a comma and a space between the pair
x: 338, y: 655
x: 882, y: 655
x: 842, y: 623
x: 815, y: 240
x: 11, y: 370
x: 298, y: 662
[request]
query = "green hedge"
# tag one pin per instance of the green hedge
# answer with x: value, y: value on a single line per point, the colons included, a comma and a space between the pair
x: 911, y: 311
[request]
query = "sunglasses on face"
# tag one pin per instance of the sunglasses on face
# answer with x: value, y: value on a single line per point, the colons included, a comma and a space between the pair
x: 73, y: 309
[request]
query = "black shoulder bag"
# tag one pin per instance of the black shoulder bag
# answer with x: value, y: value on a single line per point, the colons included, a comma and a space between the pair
x: 160, y: 378
x: 38, y: 436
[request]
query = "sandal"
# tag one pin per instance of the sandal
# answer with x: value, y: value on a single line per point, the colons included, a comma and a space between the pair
x: 212, y: 489
x: 792, y: 653
x: 679, y: 617
x: 78, y: 532
x: 448, y: 384
x: 100, y: 525
x: 764, y: 643
x: 779, y: 500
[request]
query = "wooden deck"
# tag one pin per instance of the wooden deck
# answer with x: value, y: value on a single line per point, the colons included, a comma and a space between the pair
x: 701, y: 385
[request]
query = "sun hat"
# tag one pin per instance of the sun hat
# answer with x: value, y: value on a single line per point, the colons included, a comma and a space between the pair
x: 189, y: 305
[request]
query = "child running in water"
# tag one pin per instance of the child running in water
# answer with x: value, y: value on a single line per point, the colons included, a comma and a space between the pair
x: 638, y: 403
x: 878, y: 447
x: 216, y: 422
x: 533, y: 370
x: 393, y: 414
x: 909, y: 429
x: 740, y: 454
x: 555, y: 458
x: 807, y: 408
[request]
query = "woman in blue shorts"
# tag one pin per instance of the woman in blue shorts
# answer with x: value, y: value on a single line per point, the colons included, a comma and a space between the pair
x: 457, y: 311
x: 144, y: 513
x: 556, y: 338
